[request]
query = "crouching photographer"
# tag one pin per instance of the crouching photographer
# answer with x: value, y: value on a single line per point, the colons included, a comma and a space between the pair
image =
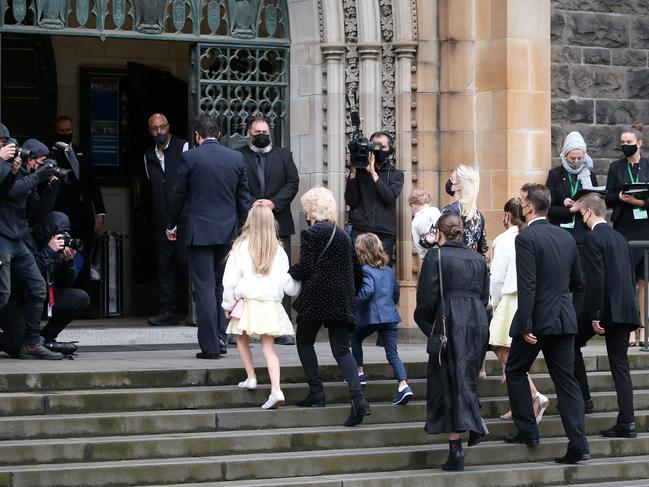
x: 54, y: 250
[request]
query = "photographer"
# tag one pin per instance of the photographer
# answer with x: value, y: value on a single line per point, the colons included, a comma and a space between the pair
x: 372, y: 193
x: 8, y: 154
x: 18, y: 263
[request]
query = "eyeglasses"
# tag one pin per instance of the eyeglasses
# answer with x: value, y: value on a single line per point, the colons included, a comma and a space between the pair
x: 162, y: 126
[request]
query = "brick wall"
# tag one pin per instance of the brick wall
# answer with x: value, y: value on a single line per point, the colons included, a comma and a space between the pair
x: 600, y: 73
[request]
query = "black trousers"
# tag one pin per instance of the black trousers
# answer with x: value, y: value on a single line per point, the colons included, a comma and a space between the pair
x: 617, y: 345
x: 340, y: 342
x: 171, y: 269
x: 559, y: 353
x: 207, y: 263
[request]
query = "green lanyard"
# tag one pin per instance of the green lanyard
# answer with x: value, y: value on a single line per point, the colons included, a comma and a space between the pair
x: 637, y: 178
x: 573, y: 186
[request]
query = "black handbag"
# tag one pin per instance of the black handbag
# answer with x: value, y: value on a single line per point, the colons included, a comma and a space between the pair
x: 297, y: 302
x: 436, y: 345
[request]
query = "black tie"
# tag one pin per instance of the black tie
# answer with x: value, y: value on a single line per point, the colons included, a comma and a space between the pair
x: 261, y: 175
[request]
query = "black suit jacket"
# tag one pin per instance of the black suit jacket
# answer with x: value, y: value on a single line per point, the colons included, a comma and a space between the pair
x: 548, y: 269
x: 609, y: 277
x: 212, y: 185
x: 81, y: 200
x: 618, y: 175
x: 282, y: 182
x: 162, y: 181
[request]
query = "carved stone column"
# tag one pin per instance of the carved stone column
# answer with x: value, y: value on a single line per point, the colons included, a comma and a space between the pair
x: 370, y: 87
x: 334, y: 171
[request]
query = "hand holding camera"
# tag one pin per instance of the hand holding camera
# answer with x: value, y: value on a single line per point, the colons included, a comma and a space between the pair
x: 8, y: 152
x: 56, y: 243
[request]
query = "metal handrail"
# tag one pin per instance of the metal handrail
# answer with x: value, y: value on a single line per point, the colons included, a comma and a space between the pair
x: 644, y: 245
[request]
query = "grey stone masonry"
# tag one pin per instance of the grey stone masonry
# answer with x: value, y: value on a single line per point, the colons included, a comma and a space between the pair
x: 600, y: 73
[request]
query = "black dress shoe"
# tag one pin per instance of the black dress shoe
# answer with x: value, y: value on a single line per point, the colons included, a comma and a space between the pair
x: 360, y: 409
x: 223, y: 348
x: 573, y: 457
x: 285, y: 340
x: 522, y: 439
x: 208, y: 356
x: 588, y: 407
x: 312, y: 400
x: 163, y: 319
x: 621, y: 430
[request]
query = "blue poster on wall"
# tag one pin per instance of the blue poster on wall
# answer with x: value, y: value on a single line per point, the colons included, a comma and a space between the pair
x: 104, y: 121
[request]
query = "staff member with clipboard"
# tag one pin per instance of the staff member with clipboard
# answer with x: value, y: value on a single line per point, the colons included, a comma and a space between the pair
x: 565, y: 181
x: 630, y: 216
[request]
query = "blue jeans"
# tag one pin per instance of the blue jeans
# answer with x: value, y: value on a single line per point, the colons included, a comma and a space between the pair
x: 389, y: 333
x: 17, y: 262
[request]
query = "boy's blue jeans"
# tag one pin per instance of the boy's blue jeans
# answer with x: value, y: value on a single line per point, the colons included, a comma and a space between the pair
x: 389, y: 334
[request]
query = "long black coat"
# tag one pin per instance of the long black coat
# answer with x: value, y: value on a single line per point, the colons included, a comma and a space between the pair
x: 453, y: 403
x: 329, y: 284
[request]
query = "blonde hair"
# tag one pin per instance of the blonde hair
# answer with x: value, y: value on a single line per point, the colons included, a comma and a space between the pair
x: 320, y: 204
x: 260, y: 230
x: 369, y: 250
x: 469, y: 180
x: 419, y: 197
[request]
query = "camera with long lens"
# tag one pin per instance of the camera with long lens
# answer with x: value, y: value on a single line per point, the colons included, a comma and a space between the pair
x: 24, y: 154
x: 73, y: 243
x: 57, y: 154
x: 360, y: 146
x: 64, y: 175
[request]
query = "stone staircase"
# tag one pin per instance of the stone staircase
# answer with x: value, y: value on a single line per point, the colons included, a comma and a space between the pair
x: 192, y: 427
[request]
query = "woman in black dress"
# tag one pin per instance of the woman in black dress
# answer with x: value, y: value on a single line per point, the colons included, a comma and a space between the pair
x: 331, y: 276
x: 453, y: 405
x: 630, y: 216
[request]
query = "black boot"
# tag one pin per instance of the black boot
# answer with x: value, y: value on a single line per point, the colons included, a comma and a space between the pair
x: 360, y: 409
x: 313, y: 399
x: 474, y: 438
x: 455, y: 460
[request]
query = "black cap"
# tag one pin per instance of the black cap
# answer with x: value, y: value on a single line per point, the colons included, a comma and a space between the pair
x: 37, y: 148
x: 4, y: 132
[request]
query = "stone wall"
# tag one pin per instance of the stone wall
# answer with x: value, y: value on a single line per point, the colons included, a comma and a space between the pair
x: 600, y: 72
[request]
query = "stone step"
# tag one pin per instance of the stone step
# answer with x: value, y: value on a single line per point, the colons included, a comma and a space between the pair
x: 113, y: 448
x: 329, y: 462
x: 603, y: 471
x: 201, y: 397
x: 189, y: 421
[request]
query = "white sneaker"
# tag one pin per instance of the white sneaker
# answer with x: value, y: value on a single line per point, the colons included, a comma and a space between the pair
x: 274, y: 400
x: 249, y: 384
x: 543, y: 404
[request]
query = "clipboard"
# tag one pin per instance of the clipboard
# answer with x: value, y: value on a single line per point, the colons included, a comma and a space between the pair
x: 637, y: 190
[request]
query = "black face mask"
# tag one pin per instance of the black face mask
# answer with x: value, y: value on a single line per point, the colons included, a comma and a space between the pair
x: 66, y: 138
x: 308, y: 222
x: 261, y: 140
x: 629, y: 149
x: 381, y: 157
x: 161, y: 139
x: 448, y: 188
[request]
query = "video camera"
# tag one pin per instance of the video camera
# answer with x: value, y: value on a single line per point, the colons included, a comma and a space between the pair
x: 360, y: 147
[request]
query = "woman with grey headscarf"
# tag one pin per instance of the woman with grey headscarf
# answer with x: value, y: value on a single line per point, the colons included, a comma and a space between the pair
x: 564, y: 181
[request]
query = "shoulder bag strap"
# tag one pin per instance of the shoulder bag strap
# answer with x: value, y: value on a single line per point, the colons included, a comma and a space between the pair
x: 441, y: 290
x: 333, y: 232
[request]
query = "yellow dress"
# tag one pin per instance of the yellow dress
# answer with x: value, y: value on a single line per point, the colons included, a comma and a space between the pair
x: 502, y: 321
x: 261, y: 318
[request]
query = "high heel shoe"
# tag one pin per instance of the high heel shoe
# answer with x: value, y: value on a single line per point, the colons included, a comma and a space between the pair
x: 249, y: 383
x: 543, y: 404
x: 315, y: 400
x: 274, y: 401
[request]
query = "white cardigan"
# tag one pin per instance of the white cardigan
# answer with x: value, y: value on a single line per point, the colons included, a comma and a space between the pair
x: 421, y: 223
x: 503, y: 266
x: 241, y: 281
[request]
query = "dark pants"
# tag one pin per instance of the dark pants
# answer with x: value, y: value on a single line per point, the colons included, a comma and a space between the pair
x: 339, y: 340
x: 207, y: 263
x: 388, y: 242
x: 559, y: 354
x: 617, y: 344
x: 89, y: 243
x: 286, y: 243
x: 171, y: 264
x: 69, y: 304
x: 389, y: 333
x: 18, y: 263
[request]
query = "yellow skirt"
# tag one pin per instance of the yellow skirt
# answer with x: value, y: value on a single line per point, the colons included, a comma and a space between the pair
x: 502, y: 321
x: 261, y: 318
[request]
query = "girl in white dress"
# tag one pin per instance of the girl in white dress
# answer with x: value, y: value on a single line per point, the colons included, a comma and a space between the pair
x: 256, y: 278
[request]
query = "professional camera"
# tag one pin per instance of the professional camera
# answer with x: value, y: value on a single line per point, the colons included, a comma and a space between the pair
x: 24, y: 154
x: 360, y: 147
x: 73, y: 243
x: 59, y: 172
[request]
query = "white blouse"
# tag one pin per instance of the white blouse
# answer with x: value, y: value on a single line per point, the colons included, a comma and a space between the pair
x: 503, y: 266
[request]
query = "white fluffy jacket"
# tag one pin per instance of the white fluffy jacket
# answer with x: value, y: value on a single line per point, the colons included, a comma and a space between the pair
x: 241, y: 281
x: 503, y: 266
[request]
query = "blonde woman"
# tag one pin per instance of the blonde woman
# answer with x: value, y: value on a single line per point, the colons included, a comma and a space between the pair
x: 464, y: 186
x: 256, y: 278
x: 331, y: 276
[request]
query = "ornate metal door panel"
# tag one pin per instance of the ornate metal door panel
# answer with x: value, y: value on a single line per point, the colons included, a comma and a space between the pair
x: 235, y: 83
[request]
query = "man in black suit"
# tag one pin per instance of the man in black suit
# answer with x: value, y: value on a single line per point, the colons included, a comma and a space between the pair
x: 274, y: 181
x: 611, y: 311
x: 548, y: 269
x: 81, y: 200
x: 161, y: 162
x: 212, y: 186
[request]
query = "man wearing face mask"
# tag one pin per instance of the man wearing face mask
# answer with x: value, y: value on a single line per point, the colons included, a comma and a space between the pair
x: 273, y: 181
x: 81, y: 200
x: 161, y: 162
x: 372, y: 194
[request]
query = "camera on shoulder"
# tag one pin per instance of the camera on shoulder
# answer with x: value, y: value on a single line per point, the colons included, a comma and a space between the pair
x: 360, y: 146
